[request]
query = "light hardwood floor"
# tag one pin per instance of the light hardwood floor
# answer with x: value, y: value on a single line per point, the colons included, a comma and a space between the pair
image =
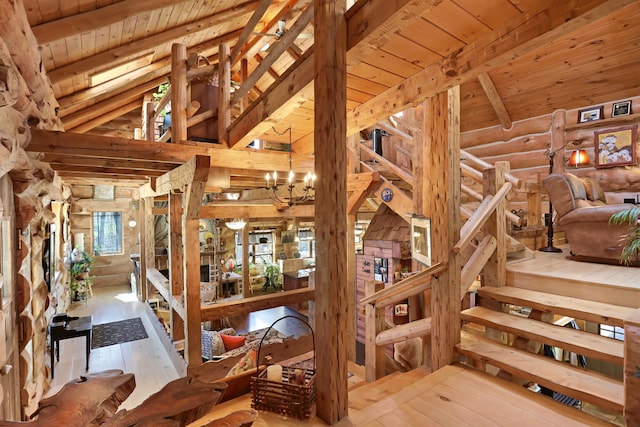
x: 145, y: 358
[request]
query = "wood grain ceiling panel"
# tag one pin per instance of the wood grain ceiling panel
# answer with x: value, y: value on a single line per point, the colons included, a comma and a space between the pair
x: 432, y: 37
x: 491, y: 12
x: 392, y: 64
x: 464, y: 26
x: 410, y: 51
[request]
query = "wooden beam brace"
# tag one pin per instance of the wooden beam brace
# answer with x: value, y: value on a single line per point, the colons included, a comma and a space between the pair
x: 195, y: 170
x: 357, y: 197
x: 402, y: 174
x: 401, y: 204
x: 495, y: 100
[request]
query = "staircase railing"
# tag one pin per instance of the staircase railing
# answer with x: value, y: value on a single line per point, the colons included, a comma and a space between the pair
x: 378, y: 334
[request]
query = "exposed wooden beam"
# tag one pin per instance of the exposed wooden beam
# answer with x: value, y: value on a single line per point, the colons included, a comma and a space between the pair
x: 127, y: 164
x: 253, y: 21
x: 120, y: 109
x: 495, y: 100
x: 371, y: 23
x: 140, y: 46
x: 496, y: 48
x: 123, y: 148
x: 86, y: 21
x: 254, y: 211
x: 295, y: 85
x: 285, y: 41
x: 108, y: 105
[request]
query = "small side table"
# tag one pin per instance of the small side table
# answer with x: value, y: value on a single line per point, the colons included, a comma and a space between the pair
x: 65, y: 327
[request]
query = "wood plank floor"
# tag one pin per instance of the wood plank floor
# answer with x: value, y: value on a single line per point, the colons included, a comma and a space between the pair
x: 146, y: 358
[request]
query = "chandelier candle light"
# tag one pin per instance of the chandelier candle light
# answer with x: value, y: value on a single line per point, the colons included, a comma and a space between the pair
x: 308, y: 182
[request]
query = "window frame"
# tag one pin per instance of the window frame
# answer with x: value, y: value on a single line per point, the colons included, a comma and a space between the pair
x: 93, y: 231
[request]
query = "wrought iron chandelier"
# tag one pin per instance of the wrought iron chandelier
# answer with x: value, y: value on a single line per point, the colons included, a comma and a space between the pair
x: 308, y: 182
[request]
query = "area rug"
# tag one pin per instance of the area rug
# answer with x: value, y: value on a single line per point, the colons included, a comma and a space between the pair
x: 111, y: 333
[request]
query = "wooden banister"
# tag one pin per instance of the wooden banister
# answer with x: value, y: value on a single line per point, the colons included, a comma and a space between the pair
x: 478, y: 219
x: 484, y: 164
x: 405, y: 288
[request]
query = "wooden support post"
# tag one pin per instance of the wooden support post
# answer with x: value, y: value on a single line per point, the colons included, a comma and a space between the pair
x: 631, y: 370
x: 351, y: 285
x: 193, y: 346
x: 178, y: 93
x: 244, y: 73
x: 442, y: 136
x: 330, y: 147
x: 558, y: 124
x: 149, y: 122
x: 246, y: 287
x: 148, y: 244
x: 176, y: 261
x: 374, y: 357
x: 224, y: 94
x: 495, y: 271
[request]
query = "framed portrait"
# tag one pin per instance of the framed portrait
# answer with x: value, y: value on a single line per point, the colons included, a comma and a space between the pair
x: 421, y: 240
x: 103, y: 192
x: 288, y: 236
x: 622, y: 108
x: 616, y: 147
x: 590, y: 114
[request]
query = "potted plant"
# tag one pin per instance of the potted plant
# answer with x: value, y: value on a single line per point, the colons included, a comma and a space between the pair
x: 273, y: 276
x: 79, y: 272
x: 631, y: 250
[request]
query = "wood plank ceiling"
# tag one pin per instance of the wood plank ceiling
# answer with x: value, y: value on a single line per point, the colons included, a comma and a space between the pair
x: 103, y: 56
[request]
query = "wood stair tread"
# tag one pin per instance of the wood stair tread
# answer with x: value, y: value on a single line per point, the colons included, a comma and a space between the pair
x: 587, y: 386
x: 593, y: 311
x: 371, y: 393
x: 585, y: 343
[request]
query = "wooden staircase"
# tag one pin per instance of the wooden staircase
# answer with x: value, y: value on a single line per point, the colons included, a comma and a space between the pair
x: 579, y: 383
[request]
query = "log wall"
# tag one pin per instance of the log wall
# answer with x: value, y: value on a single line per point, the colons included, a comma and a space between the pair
x: 525, y: 143
x: 109, y: 270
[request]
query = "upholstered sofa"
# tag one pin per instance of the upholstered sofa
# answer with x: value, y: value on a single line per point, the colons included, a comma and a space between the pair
x: 583, y: 214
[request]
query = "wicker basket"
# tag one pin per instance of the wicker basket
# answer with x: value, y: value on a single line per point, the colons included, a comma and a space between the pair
x: 285, y: 398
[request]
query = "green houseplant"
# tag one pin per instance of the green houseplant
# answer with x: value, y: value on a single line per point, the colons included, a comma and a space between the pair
x: 631, y: 250
x: 273, y: 276
x: 81, y: 263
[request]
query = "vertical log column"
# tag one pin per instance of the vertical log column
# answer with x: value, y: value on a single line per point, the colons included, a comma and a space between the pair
x: 246, y: 280
x: 176, y: 261
x: 178, y: 93
x: 421, y: 196
x: 632, y: 369
x: 374, y: 324
x: 331, y: 309
x: 148, y: 245
x: 442, y: 136
x: 224, y: 94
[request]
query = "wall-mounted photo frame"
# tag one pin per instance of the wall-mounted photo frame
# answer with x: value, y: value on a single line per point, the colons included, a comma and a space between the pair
x: 622, y: 108
x: 421, y: 240
x: 590, y: 114
x: 288, y: 236
x: 104, y: 192
x: 616, y: 147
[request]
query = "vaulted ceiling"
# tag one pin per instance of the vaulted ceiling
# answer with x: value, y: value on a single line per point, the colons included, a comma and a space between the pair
x: 514, y: 59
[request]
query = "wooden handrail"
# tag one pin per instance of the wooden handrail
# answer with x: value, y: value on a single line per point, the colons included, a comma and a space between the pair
x: 476, y: 263
x: 481, y: 215
x: 484, y: 164
x: 412, y: 285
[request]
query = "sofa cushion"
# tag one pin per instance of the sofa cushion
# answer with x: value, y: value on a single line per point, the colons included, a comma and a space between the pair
x: 560, y: 194
x: 594, y: 190
x: 577, y: 187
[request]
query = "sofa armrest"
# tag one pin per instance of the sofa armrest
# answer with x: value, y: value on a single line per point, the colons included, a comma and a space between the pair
x: 593, y: 213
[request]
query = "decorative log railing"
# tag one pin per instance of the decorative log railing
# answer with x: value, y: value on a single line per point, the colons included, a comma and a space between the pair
x: 378, y: 334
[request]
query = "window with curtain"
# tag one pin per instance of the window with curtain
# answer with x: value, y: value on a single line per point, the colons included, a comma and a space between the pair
x: 107, y: 233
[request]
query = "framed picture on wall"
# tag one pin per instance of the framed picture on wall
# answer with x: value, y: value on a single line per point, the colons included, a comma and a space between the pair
x: 590, y: 114
x: 103, y: 192
x: 622, y: 108
x: 421, y: 240
x: 616, y: 147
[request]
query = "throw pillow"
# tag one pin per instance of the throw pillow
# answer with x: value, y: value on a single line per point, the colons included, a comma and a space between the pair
x: 232, y: 342
x: 247, y: 362
x: 212, y: 344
